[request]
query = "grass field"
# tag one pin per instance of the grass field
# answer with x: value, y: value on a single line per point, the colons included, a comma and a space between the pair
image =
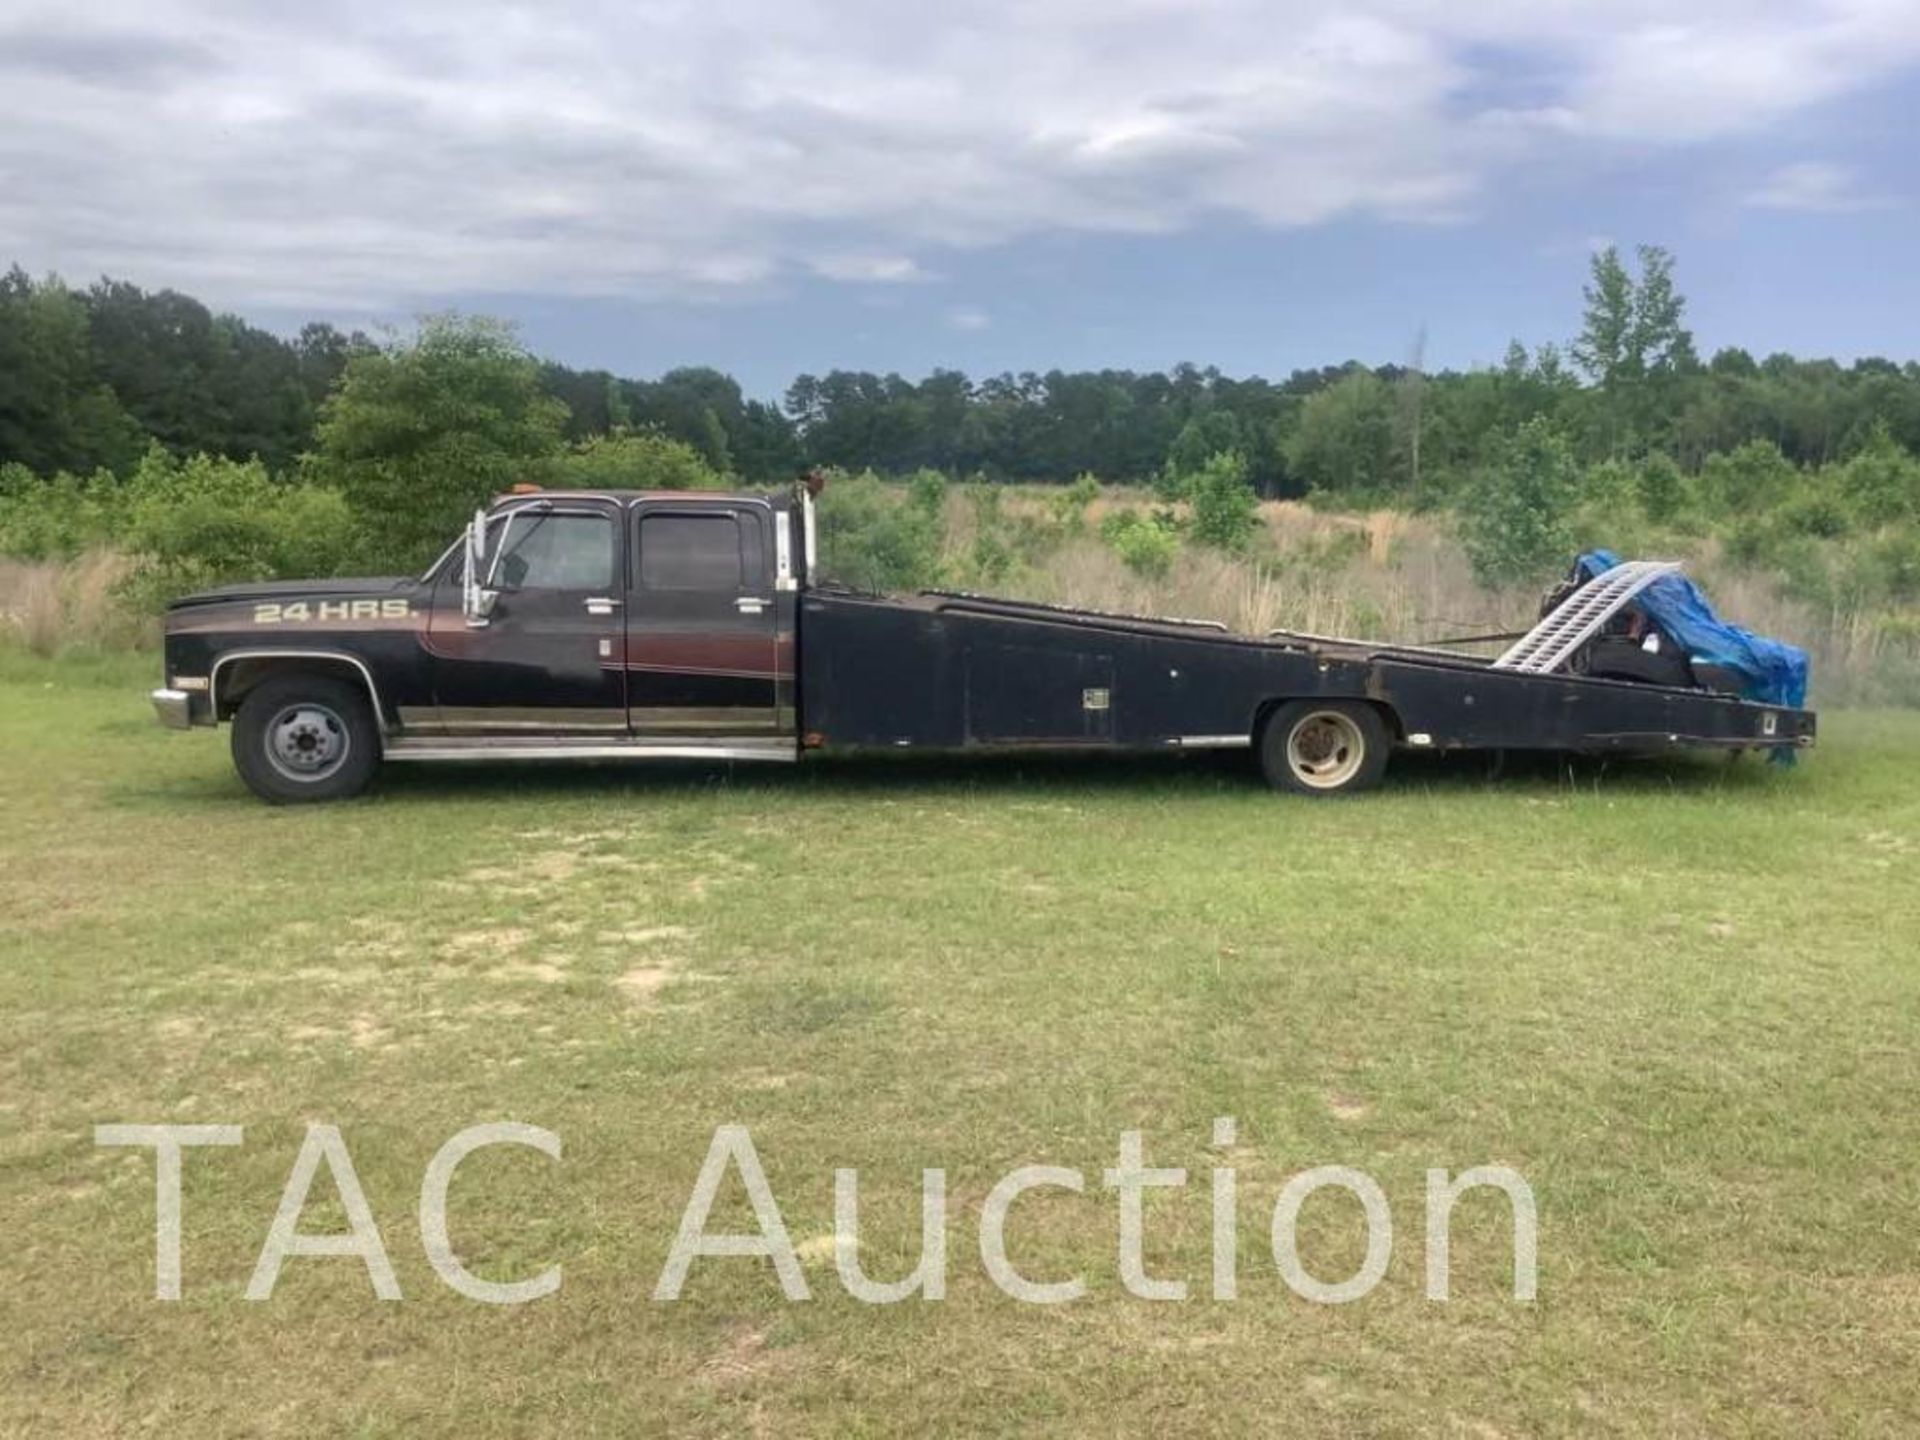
x: 1681, y: 998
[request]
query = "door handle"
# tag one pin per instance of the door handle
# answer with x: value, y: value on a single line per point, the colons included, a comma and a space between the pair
x: 602, y: 605
x: 750, y: 605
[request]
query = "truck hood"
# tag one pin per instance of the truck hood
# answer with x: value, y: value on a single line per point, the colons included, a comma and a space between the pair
x: 297, y: 590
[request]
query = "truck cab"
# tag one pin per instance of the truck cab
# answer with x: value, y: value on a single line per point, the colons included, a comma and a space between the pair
x: 559, y: 624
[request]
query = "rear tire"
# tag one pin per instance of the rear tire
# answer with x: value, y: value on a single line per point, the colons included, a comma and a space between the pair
x: 304, y: 738
x: 1324, y: 747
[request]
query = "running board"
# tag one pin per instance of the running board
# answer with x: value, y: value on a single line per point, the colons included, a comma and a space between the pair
x: 597, y: 747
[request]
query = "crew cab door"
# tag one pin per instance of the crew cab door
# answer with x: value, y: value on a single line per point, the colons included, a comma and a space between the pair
x: 704, y: 650
x: 548, y: 658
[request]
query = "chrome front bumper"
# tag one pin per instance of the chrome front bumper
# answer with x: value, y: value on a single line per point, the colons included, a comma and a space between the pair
x: 174, y: 708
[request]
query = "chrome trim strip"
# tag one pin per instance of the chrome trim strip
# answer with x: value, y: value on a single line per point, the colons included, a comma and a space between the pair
x: 373, y: 691
x: 492, y: 748
x: 1211, y: 742
x: 782, y: 551
x: 809, y: 540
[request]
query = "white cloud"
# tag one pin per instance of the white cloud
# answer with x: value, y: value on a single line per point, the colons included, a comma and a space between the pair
x: 968, y: 317
x: 869, y: 269
x: 362, y: 155
x: 1815, y: 186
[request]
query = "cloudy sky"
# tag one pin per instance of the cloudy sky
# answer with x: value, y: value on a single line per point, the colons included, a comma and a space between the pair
x: 779, y: 185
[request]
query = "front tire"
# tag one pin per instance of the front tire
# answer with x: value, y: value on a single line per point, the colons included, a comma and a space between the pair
x: 304, y: 738
x: 1324, y: 747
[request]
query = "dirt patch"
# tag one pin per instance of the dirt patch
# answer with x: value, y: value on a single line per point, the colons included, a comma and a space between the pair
x: 817, y: 1249
x: 745, y: 1358
x: 363, y: 1032
x: 546, y: 972
x: 648, y: 935
x: 528, y: 877
x: 375, y: 939
x: 643, y: 982
x: 492, y: 941
x: 338, y: 974
x: 1347, y: 1107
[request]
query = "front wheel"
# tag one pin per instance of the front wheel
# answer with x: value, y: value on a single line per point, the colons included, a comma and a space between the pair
x: 1324, y: 747
x: 299, y: 738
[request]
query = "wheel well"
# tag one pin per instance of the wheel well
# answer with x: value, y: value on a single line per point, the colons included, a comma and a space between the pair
x: 1387, y: 713
x: 234, y: 676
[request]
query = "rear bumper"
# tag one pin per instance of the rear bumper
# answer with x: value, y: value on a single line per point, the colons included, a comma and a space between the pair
x: 173, y: 708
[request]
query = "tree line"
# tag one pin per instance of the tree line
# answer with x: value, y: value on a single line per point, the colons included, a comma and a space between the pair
x: 89, y: 378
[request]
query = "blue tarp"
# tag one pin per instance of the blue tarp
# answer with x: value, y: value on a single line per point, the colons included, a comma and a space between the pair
x: 1771, y: 671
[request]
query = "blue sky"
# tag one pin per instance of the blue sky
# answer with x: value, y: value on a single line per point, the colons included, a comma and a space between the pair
x: 777, y: 187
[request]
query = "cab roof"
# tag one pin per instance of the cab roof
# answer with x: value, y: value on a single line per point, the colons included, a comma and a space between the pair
x: 624, y: 497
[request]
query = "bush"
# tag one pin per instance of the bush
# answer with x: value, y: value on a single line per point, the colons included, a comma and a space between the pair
x: 1882, y: 481
x: 1661, y: 489
x: 1225, y: 509
x: 875, y: 538
x: 1898, y: 557
x: 1752, y: 541
x: 1070, y: 506
x: 208, y: 521
x: 927, y: 492
x: 1344, y: 444
x: 58, y: 518
x: 642, y: 459
x: 1814, y: 511
x: 1755, y: 476
x: 417, y: 435
x: 1146, y: 545
x: 1611, y: 485
x: 1514, y: 517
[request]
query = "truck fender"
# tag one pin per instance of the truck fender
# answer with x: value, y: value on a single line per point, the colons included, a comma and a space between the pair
x: 256, y: 664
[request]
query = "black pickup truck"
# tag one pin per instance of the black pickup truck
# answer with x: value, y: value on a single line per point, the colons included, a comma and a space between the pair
x: 685, y: 625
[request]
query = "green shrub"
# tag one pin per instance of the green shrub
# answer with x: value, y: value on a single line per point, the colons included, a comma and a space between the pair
x: 207, y: 521
x: 416, y: 435
x: 60, y: 517
x: 1146, y: 545
x: 1897, y: 557
x: 874, y: 537
x: 1881, y: 482
x: 1225, y: 510
x: 1610, y: 485
x: 1069, y: 507
x: 642, y: 459
x: 1661, y: 489
x: 1751, y: 541
x: 1755, y: 476
x: 927, y: 491
x: 1814, y: 511
x: 1169, y: 484
x: 1515, y: 516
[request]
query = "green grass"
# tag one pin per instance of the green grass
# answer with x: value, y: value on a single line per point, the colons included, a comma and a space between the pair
x: 1681, y: 998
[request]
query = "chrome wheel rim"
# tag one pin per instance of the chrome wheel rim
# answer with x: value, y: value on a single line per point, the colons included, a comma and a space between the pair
x: 1325, y: 749
x: 307, y: 741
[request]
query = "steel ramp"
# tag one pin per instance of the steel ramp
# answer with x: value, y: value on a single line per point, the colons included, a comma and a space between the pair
x: 1578, y: 618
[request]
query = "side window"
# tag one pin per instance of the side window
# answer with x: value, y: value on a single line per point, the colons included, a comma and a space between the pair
x: 553, y: 552
x: 693, y: 552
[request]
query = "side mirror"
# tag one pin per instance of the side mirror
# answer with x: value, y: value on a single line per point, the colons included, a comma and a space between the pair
x: 476, y: 600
